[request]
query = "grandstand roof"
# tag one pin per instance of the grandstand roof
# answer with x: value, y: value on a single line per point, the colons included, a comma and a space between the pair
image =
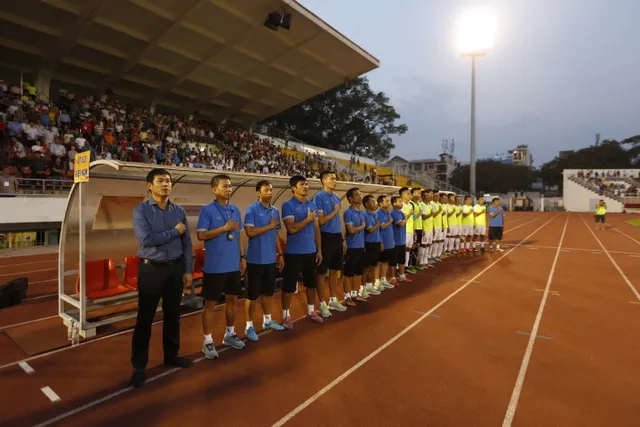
x: 214, y: 56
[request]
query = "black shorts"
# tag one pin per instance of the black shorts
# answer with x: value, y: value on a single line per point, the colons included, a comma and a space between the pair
x: 331, y: 252
x: 418, y: 240
x: 388, y: 256
x: 354, y: 262
x: 400, y: 254
x: 495, y: 233
x: 371, y: 254
x: 600, y: 218
x: 214, y: 284
x: 296, y: 265
x: 261, y: 280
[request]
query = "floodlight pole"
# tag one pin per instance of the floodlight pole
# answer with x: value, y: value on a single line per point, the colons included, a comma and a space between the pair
x: 472, y: 162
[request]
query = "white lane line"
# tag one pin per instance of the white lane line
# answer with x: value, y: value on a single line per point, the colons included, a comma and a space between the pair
x: 377, y: 351
x: 615, y: 264
x: 50, y: 394
x: 625, y: 234
x: 517, y: 389
x: 27, y: 322
x: 29, y: 262
x: 26, y: 367
x: 29, y: 272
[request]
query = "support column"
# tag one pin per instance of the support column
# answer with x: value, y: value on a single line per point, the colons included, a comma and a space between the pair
x: 43, y: 83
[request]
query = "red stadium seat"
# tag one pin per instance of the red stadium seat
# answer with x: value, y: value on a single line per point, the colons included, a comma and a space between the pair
x: 101, y: 280
x: 130, y: 279
x: 198, y: 264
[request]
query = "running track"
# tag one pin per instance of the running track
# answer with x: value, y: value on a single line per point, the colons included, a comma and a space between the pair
x: 452, y: 348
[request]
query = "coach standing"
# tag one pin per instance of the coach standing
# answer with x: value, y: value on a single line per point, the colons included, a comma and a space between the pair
x: 166, y: 260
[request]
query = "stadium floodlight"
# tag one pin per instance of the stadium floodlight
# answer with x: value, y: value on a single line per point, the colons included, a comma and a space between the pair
x: 476, y: 34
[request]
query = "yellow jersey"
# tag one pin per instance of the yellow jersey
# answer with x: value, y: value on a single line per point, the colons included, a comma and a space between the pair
x: 482, y: 218
x: 437, y: 218
x: 458, y: 215
x: 406, y: 209
x: 427, y: 224
x: 417, y: 215
x: 469, y: 219
x: 601, y: 210
x: 445, y: 215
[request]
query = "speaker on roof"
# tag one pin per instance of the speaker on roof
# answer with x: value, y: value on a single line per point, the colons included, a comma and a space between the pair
x: 277, y: 20
x: 286, y: 21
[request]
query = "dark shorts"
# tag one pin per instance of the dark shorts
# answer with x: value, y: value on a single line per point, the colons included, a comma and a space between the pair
x: 388, y: 256
x: 495, y: 233
x: 418, y: 240
x: 331, y: 252
x: 261, y: 280
x: 600, y: 218
x: 354, y: 262
x: 371, y: 254
x: 295, y: 266
x: 214, y: 284
x: 400, y: 254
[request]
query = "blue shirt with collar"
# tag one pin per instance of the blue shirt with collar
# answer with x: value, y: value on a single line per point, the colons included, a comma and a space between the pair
x: 304, y: 241
x: 156, y: 233
x: 498, y: 220
x: 386, y: 234
x: 399, y: 233
x: 370, y: 221
x: 325, y: 202
x: 354, y: 217
x: 262, y: 249
x: 222, y: 255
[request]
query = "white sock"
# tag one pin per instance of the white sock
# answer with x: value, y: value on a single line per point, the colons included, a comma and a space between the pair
x: 231, y: 330
x: 369, y: 286
x: 266, y: 318
x: 355, y: 293
x: 285, y: 313
x: 431, y: 251
x: 324, y: 303
x: 402, y: 277
x: 250, y: 324
x: 440, y: 248
x: 347, y: 296
x: 361, y: 288
x: 333, y: 299
x: 311, y: 308
x: 497, y: 245
x: 425, y: 255
x: 482, y: 244
x: 451, y: 243
x: 457, y: 244
x: 468, y: 245
x: 208, y: 339
x: 407, y: 255
x: 376, y: 283
x: 420, y: 255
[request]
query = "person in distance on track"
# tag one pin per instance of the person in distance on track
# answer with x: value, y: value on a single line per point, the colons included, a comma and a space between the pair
x: 427, y: 229
x: 333, y: 244
x: 219, y: 227
x: 480, y: 218
x: 468, y: 222
x: 600, y: 214
x: 354, y: 224
x: 166, y: 262
x: 399, y: 235
x: 387, y: 251
x: 372, y: 246
x: 496, y: 224
x: 303, y: 253
x: 264, y: 255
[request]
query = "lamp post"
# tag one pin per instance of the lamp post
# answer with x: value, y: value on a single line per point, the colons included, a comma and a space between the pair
x: 476, y: 32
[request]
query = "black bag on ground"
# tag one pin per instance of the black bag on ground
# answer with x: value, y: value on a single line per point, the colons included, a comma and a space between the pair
x: 13, y: 292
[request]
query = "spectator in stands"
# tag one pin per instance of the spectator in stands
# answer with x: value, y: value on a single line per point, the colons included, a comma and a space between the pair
x: 9, y: 184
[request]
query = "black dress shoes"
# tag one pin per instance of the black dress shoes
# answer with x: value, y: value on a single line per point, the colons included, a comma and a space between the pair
x: 180, y: 361
x: 137, y: 378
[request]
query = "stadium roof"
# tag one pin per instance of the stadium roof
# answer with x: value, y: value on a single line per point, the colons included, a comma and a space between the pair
x: 214, y: 56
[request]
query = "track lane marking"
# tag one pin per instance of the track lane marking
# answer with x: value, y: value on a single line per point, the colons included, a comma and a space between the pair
x: 26, y: 368
x: 50, y: 394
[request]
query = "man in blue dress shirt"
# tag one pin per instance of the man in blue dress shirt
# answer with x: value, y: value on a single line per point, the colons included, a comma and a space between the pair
x: 261, y: 223
x: 333, y: 245
x: 303, y: 252
x: 166, y: 261
x: 219, y: 226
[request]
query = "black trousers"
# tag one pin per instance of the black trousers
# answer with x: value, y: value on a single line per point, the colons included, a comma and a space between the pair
x: 155, y: 282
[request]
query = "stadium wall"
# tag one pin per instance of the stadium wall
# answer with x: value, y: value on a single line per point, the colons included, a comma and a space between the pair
x: 577, y: 198
x: 31, y: 209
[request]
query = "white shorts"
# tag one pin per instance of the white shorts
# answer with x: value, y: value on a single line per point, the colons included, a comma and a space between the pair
x: 467, y: 230
x: 427, y: 237
x: 438, y: 234
x: 410, y: 240
x: 480, y: 230
x: 454, y: 230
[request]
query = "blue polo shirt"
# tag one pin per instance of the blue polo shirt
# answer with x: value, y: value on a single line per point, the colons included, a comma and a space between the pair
x: 498, y: 220
x: 325, y: 203
x: 262, y: 249
x: 370, y: 220
x: 386, y: 234
x: 399, y: 233
x: 222, y: 255
x: 354, y: 217
x: 304, y: 241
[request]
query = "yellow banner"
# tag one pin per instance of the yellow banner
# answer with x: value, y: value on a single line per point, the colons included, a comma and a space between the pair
x: 81, y: 167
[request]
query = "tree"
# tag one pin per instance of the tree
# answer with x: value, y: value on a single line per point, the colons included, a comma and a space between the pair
x: 350, y: 118
x: 494, y: 177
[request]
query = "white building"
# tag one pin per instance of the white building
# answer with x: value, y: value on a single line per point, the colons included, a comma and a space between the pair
x: 439, y: 169
x: 521, y: 156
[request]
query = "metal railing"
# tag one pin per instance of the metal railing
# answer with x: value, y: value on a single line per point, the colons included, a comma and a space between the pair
x: 39, y: 187
x: 625, y: 200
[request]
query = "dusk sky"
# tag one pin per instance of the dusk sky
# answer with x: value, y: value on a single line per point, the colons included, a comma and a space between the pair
x: 559, y: 72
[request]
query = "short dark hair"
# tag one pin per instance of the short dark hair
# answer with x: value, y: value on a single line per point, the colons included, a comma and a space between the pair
x: 414, y: 189
x: 495, y: 198
x: 351, y: 192
x: 325, y: 174
x: 467, y: 197
x: 151, y: 176
x: 381, y: 198
x: 395, y: 199
x: 425, y: 191
x: 294, y: 180
x: 217, y: 178
x: 402, y: 190
x: 262, y: 183
x: 366, y: 199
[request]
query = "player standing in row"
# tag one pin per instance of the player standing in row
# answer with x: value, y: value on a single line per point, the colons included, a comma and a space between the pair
x: 458, y: 237
x: 387, y: 255
x: 399, y: 235
x: 261, y: 224
x: 333, y: 245
x: 480, y: 219
x: 219, y: 226
x: 417, y: 224
x: 407, y: 210
x: 427, y: 231
x: 303, y: 252
x: 468, y: 223
x: 354, y: 259
x: 372, y: 246
x: 496, y: 225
